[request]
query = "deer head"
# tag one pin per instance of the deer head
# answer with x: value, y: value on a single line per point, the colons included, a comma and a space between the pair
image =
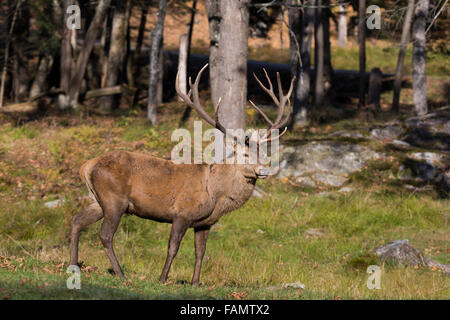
x: 255, y: 170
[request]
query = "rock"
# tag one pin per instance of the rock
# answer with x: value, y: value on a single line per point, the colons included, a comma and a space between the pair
x: 54, y: 204
x: 306, y: 182
x: 314, y: 233
x: 437, y: 121
x: 327, y: 162
x: 421, y: 171
x: 423, y: 137
x: 401, y: 252
x: 387, y: 133
x: 294, y: 285
x: 329, y: 179
x: 400, y: 143
x: 431, y: 158
x: 345, y: 190
x: 347, y: 134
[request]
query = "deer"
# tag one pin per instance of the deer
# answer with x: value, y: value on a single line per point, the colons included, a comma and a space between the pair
x: 184, y: 195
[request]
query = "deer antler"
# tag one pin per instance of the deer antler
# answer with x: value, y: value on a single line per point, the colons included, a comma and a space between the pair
x: 195, y: 103
x: 281, y: 119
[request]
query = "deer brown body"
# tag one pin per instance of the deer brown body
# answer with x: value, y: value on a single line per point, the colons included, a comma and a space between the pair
x: 185, y: 195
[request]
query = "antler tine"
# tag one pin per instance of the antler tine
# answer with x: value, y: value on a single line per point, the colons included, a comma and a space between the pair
x: 261, y: 112
x: 265, y: 139
x: 281, y: 119
x: 216, y: 110
x: 195, y: 104
x: 280, y: 122
x: 269, y: 90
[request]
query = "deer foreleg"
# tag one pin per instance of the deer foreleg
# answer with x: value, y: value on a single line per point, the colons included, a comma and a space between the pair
x: 81, y: 220
x: 179, y: 227
x: 201, y: 236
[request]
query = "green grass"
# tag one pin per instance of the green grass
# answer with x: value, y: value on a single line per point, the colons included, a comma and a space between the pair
x: 265, y: 243
x: 377, y: 56
x: 239, y: 258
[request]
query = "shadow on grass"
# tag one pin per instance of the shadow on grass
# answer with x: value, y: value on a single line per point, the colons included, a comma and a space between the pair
x: 57, y: 290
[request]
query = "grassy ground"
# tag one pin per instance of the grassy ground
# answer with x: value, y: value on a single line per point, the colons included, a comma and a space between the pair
x: 263, y: 244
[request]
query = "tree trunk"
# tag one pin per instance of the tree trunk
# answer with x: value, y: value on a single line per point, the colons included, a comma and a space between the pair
x: 301, y: 70
x: 319, y: 56
x: 105, y: 40
x: 116, y: 54
x: 187, y: 110
x: 233, y: 48
x: 7, y: 47
x: 155, y: 63
x: 20, y: 74
x: 418, y: 59
x: 66, y: 58
x: 342, y: 26
x: 214, y: 18
x: 362, y: 52
x: 39, y: 84
x: 375, y: 84
x: 135, y: 56
x: 401, y: 55
x: 182, y: 63
x: 327, y: 67
x: 85, y: 52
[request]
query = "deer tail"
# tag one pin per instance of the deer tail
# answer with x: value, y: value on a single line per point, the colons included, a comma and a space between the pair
x: 85, y: 174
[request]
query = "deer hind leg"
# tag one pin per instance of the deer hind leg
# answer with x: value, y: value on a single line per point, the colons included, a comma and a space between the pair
x: 81, y: 220
x: 107, y: 230
x: 201, y: 236
x: 179, y: 227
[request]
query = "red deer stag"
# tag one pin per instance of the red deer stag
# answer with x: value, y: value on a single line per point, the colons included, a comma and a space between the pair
x: 185, y: 195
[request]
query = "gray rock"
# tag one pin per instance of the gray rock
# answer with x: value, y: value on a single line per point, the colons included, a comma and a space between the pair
x: 306, y: 182
x: 326, y: 162
x: 329, y: 179
x: 347, y: 134
x: 431, y: 158
x: 294, y: 285
x: 401, y: 252
x: 437, y: 121
x: 387, y: 133
x: 400, y: 143
x: 424, y: 137
x: 345, y: 190
x: 54, y: 204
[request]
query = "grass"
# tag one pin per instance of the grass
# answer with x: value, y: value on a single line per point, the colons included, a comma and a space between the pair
x: 265, y: 243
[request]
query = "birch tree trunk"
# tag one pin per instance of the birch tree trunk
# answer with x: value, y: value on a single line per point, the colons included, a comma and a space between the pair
x: 155, y: 63
x: 39, y: 83
x: 342, y: 26
x: 85, y: 52
x: 327, y: 67
x: 319, y: 56
x: 66, y: 57
x: 233, y: 48
x: 418, y: 58
x: 362, y: 52
x: 401, y: 55
x: 301, y: 70
x: 214, y: 18
x: 116, y: 53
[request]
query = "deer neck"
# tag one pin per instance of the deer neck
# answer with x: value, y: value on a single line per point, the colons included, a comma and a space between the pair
x: 227, y: 180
